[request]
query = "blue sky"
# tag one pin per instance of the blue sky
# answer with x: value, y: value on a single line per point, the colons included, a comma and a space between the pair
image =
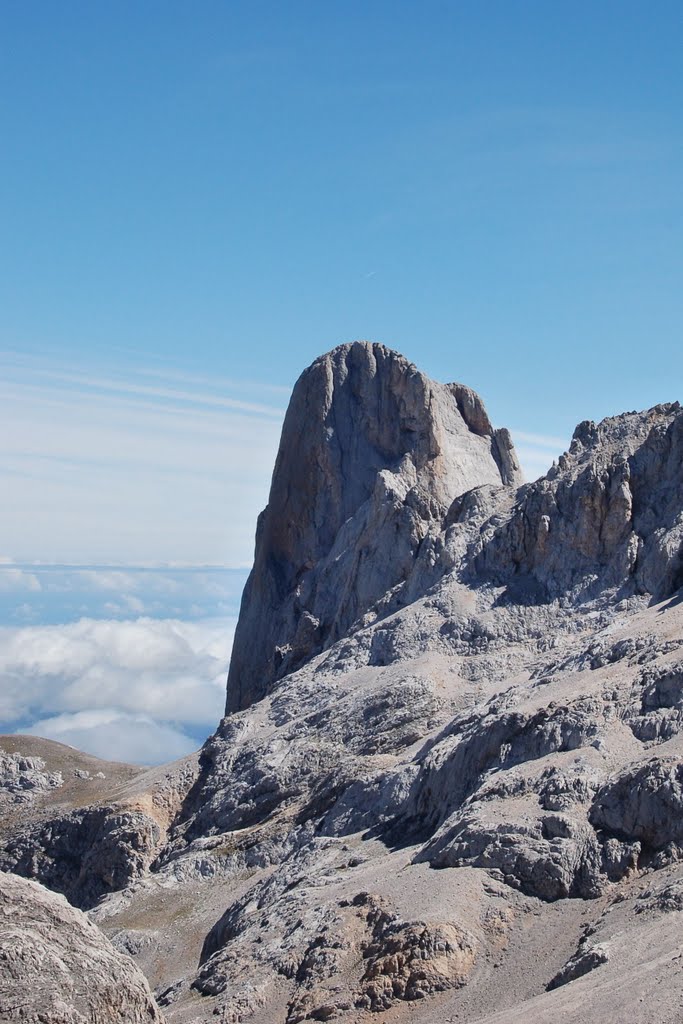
x: 197, y: 200
x: 491, y: 187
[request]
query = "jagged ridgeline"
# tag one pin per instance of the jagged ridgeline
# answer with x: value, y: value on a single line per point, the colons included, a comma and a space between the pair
x: 449, y: 781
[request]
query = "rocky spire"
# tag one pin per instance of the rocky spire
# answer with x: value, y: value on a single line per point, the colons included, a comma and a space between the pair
x: 371, y: 456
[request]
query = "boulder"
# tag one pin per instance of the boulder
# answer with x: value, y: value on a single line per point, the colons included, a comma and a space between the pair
x: 56, y: 967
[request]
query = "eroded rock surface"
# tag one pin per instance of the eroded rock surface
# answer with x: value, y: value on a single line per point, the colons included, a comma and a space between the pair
x: 23, y: 777
x: 450, y: 775
x: 86, y: 853
x: 53, y: 832
x: 607, y: 517
x: 56, y: 967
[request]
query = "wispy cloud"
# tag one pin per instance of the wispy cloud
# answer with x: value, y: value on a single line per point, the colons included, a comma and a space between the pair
x: 222, y: 383
x: 537, y: 452
x: 89, y: 384
x: 544, y: 442
x: 56, y: 594
x: 132, y: 467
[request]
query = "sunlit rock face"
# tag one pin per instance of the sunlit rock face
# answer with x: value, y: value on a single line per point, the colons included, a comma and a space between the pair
x: 372, y: 455
x: 606, y: 520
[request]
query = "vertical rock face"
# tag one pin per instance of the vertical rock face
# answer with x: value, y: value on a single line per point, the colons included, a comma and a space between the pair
x: 371, y: 456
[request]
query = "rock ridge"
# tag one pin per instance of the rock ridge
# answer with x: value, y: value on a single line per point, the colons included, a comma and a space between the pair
x: 605, y: 519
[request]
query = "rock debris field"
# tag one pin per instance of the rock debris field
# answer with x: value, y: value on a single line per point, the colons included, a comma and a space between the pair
x: 449, y: 782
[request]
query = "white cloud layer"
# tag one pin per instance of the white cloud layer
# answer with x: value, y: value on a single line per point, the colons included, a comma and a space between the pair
x: 143, y: 690
x: 116, y: 736
x: 18, y: 580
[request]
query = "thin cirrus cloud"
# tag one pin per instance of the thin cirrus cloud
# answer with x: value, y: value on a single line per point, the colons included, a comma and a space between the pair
x: 537, y: 452
x: 135, y: 467
x: 57, y: 594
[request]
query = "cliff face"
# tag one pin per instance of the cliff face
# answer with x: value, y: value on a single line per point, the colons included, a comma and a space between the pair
x: 372, y: 455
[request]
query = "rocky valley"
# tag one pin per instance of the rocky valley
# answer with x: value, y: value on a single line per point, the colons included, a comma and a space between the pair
x: 448, y: 785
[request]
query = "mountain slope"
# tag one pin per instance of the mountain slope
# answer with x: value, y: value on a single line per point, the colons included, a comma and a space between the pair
x: 451, y: 778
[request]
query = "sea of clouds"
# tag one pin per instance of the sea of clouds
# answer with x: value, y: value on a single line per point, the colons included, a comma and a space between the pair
x: 139, y: 672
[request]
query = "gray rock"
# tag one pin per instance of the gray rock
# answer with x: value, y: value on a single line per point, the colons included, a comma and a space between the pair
x: 658, y: 714
x: 22, y: 778
x: 644, y: 803
x: 552, y: 857
x: 666, y: 899
x: 585, y: 960
x: 306, y: 753
x: 84, y: 854
x: 449, y: 771
x: 372, y: 455
x: 606, y: 518
x: 347, y: 954
x: 56, y: 967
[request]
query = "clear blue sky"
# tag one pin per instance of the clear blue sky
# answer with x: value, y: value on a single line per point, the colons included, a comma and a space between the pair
x: 227, y: 189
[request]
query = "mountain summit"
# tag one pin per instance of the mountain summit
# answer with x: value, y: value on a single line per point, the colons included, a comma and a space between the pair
x: 372, y: 455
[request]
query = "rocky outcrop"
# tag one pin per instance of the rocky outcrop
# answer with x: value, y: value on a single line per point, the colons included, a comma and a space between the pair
x: 552, y: 856
x: 644, y: 802
x: 307, y: 754
x: 372, y: 455
x: 586, y: 959
x: 607, y: 518
x: 23, y: 778
x: 84, y: 854
x: 352, y: 954
x: 56, y: 967
x: 53, y: 833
